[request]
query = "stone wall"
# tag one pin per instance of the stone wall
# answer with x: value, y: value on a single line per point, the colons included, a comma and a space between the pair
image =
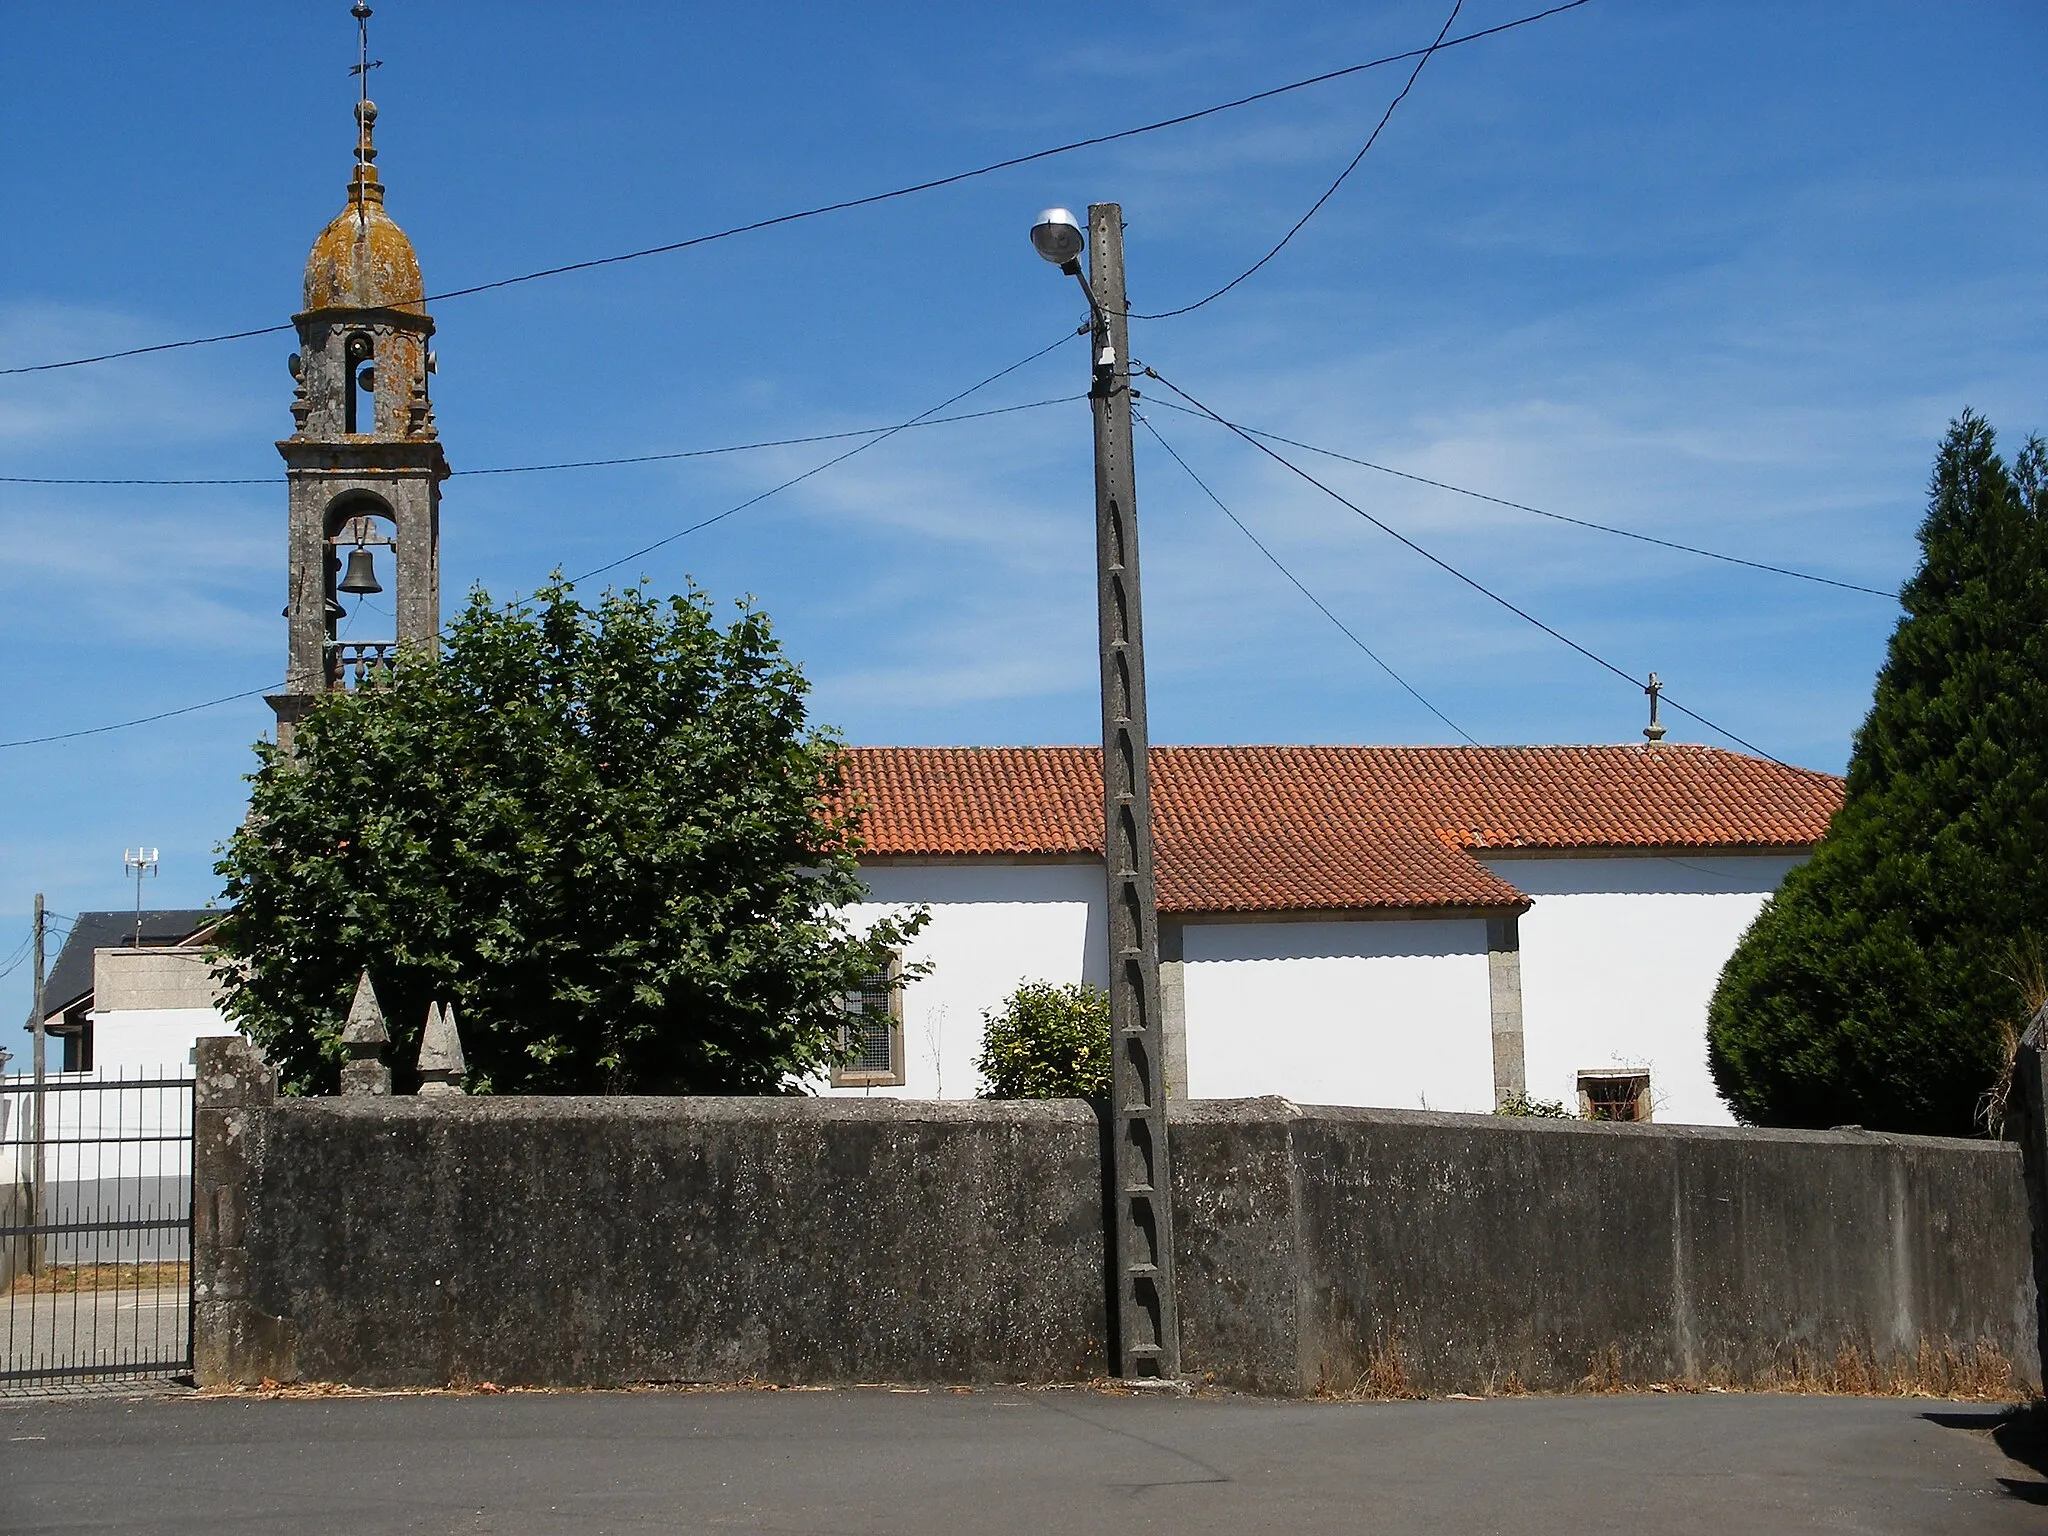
x: 408, y: 1241
x: 594, y: 1242
x: 1389, y: 1250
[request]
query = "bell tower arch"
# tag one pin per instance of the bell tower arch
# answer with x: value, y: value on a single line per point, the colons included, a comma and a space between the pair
x: 364, y: 466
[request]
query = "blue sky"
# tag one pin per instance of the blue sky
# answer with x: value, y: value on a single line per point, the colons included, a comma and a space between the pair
x: 1716, y: 272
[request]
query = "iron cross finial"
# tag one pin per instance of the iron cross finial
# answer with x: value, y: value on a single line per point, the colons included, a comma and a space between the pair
x: 364, y: 63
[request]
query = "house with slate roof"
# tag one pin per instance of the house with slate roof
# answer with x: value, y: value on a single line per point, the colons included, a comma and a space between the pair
x: 130, y: 993
x: 1410, y: 927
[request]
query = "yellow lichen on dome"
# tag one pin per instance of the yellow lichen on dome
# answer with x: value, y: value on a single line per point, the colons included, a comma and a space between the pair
x: 363, y: 260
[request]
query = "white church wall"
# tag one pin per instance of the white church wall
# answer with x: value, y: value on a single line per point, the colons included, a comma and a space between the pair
x: 992, y: 925
x: 1619, y: 961
x: 1386, y: 1013
x: 1619, y: 957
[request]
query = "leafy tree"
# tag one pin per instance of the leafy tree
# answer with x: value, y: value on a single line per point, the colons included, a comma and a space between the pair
x: 1874, y: 988
x: 1047, y: 1042
x: 606, y: 835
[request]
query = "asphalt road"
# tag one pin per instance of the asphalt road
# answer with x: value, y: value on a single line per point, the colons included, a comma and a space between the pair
x: 997, y: 1462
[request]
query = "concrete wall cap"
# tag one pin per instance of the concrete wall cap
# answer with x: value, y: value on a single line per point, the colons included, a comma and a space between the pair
x: 708, y: 1109
x: 1755, y: 1134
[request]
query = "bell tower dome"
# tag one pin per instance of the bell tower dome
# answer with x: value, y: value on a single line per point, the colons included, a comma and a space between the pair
x: 364, y: 465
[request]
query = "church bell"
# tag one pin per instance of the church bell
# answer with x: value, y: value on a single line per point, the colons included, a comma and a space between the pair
x: 361, y: 575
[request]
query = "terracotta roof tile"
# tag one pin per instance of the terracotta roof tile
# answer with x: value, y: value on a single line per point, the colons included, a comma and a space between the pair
x: 1246, y: 829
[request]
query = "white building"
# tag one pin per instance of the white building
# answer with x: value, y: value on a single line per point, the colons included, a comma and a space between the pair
x: 1389, y: 926
x: 130, y: 994
x: 124, y: 1004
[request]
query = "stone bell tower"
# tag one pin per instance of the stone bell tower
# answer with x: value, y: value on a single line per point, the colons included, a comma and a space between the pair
x: 364, y: 467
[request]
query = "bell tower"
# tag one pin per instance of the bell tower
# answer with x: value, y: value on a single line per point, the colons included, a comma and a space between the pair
x: 364, y: 466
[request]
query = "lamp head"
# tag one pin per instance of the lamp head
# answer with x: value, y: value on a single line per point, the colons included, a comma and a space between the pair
x: 1057, y: 237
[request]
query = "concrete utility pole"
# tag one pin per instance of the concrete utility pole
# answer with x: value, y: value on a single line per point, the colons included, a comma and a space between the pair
x: 35, y: 1177
x: 1148, y: 1322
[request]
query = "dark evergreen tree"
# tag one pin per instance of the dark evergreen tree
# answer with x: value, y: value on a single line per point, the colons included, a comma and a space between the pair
x: 1875, y: 987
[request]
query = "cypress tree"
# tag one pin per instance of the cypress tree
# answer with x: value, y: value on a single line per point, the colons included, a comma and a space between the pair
x: 1876, y: 987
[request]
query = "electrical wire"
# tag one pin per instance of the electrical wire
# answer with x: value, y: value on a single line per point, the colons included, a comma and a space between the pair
x: 819, y: 469
x: 882, y: 435
x: 1299, y: 586
x: 847, y: 204
x: 1558, y: 517
x: 55, y: 925
x: 1330, y: 191
x: 639, y: 458
x: 122, y: 725
x: 1476, y: 585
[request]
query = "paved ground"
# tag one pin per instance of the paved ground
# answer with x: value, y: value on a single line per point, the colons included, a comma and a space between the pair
x: 108, y: 1328
x: 994, y: 1463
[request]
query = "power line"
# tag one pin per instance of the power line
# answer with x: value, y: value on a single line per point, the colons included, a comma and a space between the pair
x: 638, y: 458
x: 881, y: 435
x: 786, y: 442
x: 1557, y: 517
x: 1299, y: 586
x: 122, y: 725
x: 1476, y: 585
x: 1330, y: 191
x: 847, y: 204
x: 819, y: 469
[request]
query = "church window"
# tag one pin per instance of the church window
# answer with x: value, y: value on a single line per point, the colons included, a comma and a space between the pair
x: 873, y: 1032
x: 358, y: 391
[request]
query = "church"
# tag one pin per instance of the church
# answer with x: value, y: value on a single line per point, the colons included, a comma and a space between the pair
x: 363, y: 465
x: 1448, y: 928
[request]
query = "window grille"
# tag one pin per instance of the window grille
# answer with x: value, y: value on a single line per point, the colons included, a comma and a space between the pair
x: 873, y: 1033
x: 1614, y: 1095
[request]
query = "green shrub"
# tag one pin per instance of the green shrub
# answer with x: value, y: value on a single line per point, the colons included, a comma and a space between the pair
x: 1047, y: 1042
x: 1524, y: 1107
x: 1876, y: 986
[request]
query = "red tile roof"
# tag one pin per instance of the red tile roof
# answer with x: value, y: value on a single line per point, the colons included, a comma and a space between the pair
x: 1247, y: 829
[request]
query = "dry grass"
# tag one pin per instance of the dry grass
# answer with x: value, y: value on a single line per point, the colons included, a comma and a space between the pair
x: 1385, y: 1375
x: 1603, y: 1372
x: 1972, y: 1373
x: 64, y: 1279
x: 1978, y: 1371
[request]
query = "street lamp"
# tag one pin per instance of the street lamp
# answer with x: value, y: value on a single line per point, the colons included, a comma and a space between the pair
x: 1147, y: 1315
x: 1057, y: 237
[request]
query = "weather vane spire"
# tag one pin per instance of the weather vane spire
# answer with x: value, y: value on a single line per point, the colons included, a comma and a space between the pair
x: 364, y: 63
x: 366, y: 111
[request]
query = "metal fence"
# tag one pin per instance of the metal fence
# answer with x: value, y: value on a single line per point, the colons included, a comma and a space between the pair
x: 95, y: 1228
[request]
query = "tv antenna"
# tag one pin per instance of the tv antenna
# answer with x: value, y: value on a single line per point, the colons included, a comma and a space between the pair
x: 139, y: 862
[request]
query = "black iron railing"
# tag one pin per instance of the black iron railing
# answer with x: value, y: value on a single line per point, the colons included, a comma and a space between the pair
x: 95, y: 1228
